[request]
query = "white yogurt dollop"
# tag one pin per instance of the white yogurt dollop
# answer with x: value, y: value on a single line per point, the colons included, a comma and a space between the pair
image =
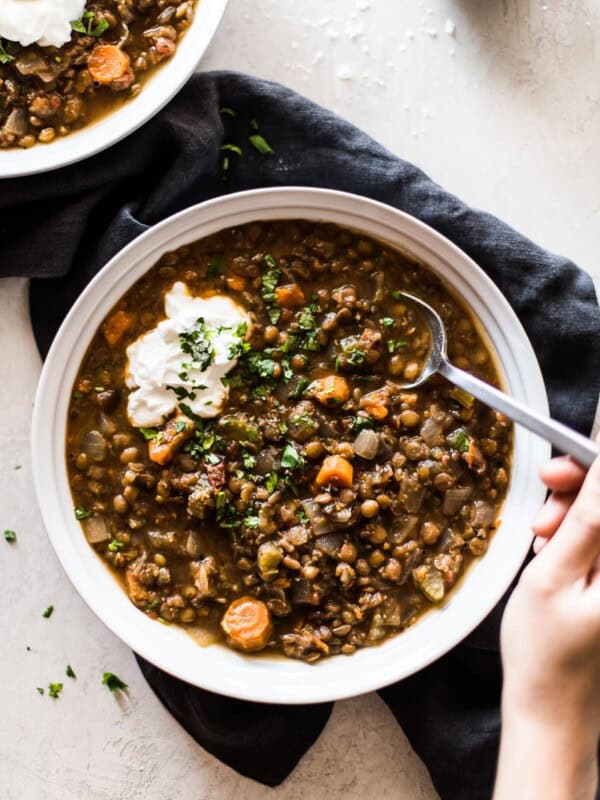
x: 47, y: 22
x: 212, y: 327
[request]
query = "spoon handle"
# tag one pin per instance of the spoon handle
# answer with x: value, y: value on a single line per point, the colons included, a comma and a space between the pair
x: 564, y: 439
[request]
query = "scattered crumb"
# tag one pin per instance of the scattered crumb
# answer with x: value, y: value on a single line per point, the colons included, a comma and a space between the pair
x: 430, y: 32
x: 344, y: 72
x: 450, y: 27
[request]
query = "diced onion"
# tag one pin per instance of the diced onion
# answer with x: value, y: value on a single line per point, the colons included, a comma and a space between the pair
x: 318, y: 520
x: 483, y: 514
x: 94, y: 445
x: 366, y: 443
x: 96, y: 530
x: 454, y: 499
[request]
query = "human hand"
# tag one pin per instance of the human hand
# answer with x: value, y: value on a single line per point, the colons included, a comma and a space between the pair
x: 550, y: 642
x: 551, y: 627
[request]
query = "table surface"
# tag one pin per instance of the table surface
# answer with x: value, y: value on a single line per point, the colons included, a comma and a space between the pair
x: 498, y: 101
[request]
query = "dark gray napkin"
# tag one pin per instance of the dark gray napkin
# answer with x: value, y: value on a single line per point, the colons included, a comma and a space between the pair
x: 60, y: 228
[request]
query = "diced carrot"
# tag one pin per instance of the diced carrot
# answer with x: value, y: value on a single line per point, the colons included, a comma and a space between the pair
x: 374, y: 404
x: 116, y: 325
x: 175, y: 434
x: 335, y: 471
x: 290, y: 295
x: 247, y: 624
x: 330, y: 391
x: 237, y: 283
x: 107, y: 63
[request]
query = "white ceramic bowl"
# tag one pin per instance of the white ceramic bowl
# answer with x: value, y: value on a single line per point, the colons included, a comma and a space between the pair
x: 217, y: 667
x: 160, y: 87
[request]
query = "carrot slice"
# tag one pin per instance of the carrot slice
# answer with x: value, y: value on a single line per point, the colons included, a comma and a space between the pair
x: 107, y: 63
x: 330, y: 391
x: 117, y: 325
x: 163, y: 447
x: 237, y: 283
x: 247, y: 624
x: 375, y: 404
x: 289, y: 295
x: 335, y: 471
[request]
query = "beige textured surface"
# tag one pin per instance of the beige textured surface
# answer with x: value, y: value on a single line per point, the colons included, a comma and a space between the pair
x: 506, y: 113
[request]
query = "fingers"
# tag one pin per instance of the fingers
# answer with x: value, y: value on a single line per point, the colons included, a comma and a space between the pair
x: 563, y: 474
x: 552, y: 513
x: 575, y: 546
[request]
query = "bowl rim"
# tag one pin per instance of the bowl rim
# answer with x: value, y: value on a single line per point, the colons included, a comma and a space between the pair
x: 160, y: 87
x: 218, y: 668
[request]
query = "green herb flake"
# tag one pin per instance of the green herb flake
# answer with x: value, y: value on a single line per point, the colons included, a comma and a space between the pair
x: 290, y: 458
x: 251, y: 521
x: 48, y: 612
x: 271, y: 481
x: 88, y: 26
x: 232, y: 148
x: 214, y: 267
x: 254, y: 124
x: 70, y: 672
x: 149, y: 433
x: 82, y: 513
x: 180, y: 426
x: 248, y: 460
x: 10, y: 536
x: 260, y: 143
x: 397, y: 294
x: 5, y: 58
x: 460, y: 441
x: 115, y: 545
x: 39, y: 690
x: 114, y: 683
x: 77, y: 395
x: 387, y: 322
x: 228, y: 111
x: 54, y: 689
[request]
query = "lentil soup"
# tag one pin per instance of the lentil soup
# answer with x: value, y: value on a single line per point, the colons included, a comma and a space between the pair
x: 47, y: 92
x: 266, y: 479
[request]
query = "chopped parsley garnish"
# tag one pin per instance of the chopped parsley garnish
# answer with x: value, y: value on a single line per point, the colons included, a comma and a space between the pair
x: 54, y: 689
x: 115, y: 544
x: 270, y: 261
x: 114, y: 683
x: 393, y: 346
x: 248, y: 460
x: 180, y: 426
x: 254, y: 124
x: 271, y: 481
x: 274, y: 314
x: 263, y: 367
x: 232, y: 148
x: 82, y: 513
x: 229, y: 111
x: 87, y: 24
x: 261, y: 144
x: 196, y: 343
x: 251, y: 521
x: 269, y: 282
x: 460, y: 441
x: 360, y: 423
x: 48, y: 612
x: 70, y: 672
x: 10, y: 536
x: 148, y: 433
x: 77, y: 395
x: 291, y: 458
x: 5, y: 58
x: 397, y: 294
x: 387, y: 322
x: 355, y: 356
x: 214, y: 267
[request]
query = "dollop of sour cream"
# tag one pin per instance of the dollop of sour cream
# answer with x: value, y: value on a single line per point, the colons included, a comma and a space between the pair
x: 185, y: 357
x: 47, y: 22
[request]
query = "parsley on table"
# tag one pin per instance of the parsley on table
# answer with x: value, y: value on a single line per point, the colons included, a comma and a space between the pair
x: 261, y: 144
x: 82, y: 513
x: 114, y: 683
x: 291, y: 458
x: 87, y: 24
x: 54, y: 689
x: 39, y: 690
x: 48, y: 612
x: 10, y: 536
x: 70, y: 672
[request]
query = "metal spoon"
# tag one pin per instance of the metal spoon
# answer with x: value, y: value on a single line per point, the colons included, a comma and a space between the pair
x: 564, y: 439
